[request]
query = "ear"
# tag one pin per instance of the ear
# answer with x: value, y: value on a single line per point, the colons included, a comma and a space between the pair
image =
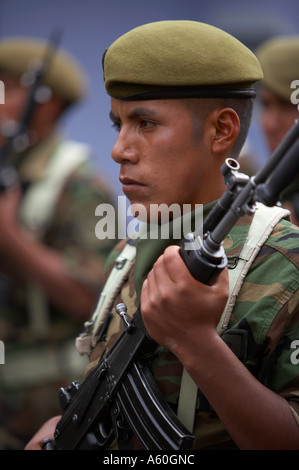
x: 227, y: 128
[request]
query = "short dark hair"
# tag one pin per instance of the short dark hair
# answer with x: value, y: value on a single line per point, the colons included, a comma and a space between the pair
x: 201, y: 107
x: 243, y: 108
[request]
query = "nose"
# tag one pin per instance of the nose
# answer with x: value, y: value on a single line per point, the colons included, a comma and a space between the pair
x: 124, y: 150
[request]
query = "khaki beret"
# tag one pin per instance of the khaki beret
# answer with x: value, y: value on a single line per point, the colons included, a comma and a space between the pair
x: 64, y: 76
x: 177, y: 59
x: 279, y: 58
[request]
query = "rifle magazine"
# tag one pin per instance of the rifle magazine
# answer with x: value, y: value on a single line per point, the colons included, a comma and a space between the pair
x: 148, y: 414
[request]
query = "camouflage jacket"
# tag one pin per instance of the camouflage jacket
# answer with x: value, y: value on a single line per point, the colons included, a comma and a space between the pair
x: 266, y: 312
x: 39, y: 346
x: 69, y: 230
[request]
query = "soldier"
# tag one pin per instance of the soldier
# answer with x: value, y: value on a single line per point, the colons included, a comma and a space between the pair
x: 279, y: 97
x: 51, y: 262
x: 181, y: 97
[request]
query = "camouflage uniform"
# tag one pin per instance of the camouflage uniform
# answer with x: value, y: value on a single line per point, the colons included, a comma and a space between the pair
x: 265, y: 318
x: 39, y: 349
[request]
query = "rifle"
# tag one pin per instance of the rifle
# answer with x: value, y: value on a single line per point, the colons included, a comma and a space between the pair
x: 19, y: 138
x: 119, y: 396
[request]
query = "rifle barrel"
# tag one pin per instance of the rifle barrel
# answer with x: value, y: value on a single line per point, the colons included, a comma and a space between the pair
x: 284, y: 146
x: 283, y: 175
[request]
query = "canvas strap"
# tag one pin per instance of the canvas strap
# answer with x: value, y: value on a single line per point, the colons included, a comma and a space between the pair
x: 36, y: 213
x: 122, y: 266
x: 39, y: 202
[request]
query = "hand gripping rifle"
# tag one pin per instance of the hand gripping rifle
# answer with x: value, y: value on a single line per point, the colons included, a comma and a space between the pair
x: 18, y: 135
x: 120, y: 396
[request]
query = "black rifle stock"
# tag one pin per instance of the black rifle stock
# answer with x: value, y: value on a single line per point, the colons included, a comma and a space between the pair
x: 120, y: 395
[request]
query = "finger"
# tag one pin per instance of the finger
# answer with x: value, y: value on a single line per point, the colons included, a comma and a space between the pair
x: 144, y: 292
x: 174, y: 264
x: 222, y: 281
x: 162, y: 275
x: 150, y: 290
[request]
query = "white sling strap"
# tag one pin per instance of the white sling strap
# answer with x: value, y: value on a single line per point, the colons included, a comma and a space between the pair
x: 36, y: 213
x: 123, y: 263
x: 39, y: 202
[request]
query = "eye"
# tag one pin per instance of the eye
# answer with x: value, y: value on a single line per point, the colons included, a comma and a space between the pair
x: 146, y: 124
x: 116, y: 125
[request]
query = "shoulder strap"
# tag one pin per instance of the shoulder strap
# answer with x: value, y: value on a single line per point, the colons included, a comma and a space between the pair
x: 36, y: 211
x: 263, y: 223
x: 38, y: 204
x: 119, y: 272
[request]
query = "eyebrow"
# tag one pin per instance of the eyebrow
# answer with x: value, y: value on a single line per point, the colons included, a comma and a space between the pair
x: 141, y: 111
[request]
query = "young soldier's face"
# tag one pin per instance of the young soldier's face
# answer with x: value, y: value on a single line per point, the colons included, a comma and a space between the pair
x: 160, y: 159
x: 277, y: 117
x: 11, y: 110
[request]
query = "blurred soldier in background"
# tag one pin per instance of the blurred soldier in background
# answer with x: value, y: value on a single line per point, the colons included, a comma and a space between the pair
x: 51, y: 262
x: 279, y: 97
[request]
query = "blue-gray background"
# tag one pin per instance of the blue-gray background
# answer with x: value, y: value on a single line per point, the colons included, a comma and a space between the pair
x: 92, y: 25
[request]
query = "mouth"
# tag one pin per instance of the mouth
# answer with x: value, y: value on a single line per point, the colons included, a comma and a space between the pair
x: 130, y: 185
